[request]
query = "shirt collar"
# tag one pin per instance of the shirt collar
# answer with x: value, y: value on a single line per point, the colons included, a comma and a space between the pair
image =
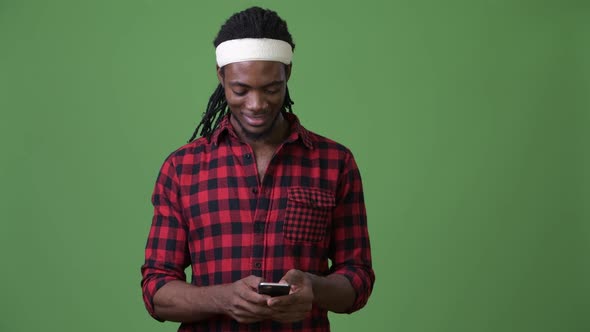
x: 297, y: 131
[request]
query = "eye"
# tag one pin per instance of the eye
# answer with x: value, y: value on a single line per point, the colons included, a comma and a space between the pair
x: 239, y: 93
x: 272, y: 92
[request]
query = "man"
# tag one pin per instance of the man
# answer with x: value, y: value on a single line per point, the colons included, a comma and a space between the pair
x: 256, y: 198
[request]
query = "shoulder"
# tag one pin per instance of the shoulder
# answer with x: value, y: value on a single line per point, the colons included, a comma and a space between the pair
x: 315, y: 141
x: 196, y: 147
x: 332, y: 154
x: 189, y: 153
x: 327, y: 145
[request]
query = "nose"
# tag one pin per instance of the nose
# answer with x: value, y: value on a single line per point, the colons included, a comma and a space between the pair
x: 256, y: 102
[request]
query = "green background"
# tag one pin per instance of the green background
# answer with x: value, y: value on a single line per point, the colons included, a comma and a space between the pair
x: 470, y: 122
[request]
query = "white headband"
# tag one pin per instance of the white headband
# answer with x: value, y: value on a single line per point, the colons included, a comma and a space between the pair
x: 250, y: 49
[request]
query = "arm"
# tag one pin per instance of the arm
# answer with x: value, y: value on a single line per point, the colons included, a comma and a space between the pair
x: 349, y: 285
x: 166, y: 294
x: 333, y: 293
x: 166, y: 252
x: 182, y: 302
x: 351, y: 249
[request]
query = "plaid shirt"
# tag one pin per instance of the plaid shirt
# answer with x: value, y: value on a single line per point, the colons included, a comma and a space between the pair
x: 212, y: 212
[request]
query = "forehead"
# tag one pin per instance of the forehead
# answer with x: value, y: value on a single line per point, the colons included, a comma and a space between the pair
x: 255, y: 73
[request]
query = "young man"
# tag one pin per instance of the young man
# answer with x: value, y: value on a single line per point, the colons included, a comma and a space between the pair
x: 256, y: 198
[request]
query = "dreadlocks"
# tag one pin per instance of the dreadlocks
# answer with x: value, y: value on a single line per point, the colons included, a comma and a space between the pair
x: 253, y: 22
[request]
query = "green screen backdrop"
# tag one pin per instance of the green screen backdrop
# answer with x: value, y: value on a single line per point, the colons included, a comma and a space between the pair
x: 470, y: 121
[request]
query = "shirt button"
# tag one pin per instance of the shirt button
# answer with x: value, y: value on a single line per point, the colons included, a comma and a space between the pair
x: 257, y: 265
x: 255, y: 190
x: 248, y: 156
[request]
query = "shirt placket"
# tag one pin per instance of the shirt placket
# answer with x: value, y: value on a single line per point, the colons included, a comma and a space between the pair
x: 261, y: 194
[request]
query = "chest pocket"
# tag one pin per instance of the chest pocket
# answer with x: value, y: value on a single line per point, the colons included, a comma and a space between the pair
x: 308, y: 214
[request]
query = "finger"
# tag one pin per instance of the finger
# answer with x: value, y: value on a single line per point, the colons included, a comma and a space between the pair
x: 254, y: 314
x: 292, y: 276
x: 250, y: 294
x: 240, y: 312
x: 282, y: 301
x: 252, y: 281
x: 253, y: 297
x: 250, y: 310
x: 297, y: 307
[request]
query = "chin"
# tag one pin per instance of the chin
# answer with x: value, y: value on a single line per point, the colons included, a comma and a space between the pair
x: 258, y: 134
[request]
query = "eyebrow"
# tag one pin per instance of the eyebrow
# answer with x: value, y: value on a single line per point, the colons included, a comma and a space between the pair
x: 242, y: 84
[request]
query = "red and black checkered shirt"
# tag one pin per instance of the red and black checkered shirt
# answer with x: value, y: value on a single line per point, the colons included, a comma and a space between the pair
x: 212, y: 212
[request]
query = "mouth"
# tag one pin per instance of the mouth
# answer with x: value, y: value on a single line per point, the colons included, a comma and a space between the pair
x: 255, y: 120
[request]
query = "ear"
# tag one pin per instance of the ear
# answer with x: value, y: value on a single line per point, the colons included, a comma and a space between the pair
x: 288, y: 70
x: 219, y: 75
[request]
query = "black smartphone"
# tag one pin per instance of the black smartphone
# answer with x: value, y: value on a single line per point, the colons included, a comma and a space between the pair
x: 273, y: 288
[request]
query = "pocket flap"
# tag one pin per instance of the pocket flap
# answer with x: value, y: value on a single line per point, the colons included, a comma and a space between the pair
x: 312, y: 197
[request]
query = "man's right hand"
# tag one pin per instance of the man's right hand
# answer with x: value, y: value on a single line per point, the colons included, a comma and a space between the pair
x: 242, y: 302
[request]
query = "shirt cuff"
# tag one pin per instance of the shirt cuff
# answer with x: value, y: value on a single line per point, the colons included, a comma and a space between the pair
x: 362, y: 280
x: 150, y: 287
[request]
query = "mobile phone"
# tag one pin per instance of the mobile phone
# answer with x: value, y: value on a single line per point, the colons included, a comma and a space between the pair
x: 273, y: 288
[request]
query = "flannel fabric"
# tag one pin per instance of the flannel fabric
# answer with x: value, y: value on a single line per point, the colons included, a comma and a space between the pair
x: 212, y: 212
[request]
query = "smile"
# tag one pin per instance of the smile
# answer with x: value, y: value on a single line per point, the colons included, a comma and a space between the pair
x: 255, y: 120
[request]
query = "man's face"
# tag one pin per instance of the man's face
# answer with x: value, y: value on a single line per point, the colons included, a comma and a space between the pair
x: 255, y: 91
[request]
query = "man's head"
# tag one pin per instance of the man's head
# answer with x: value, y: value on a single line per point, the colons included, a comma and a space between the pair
x: 254, y: 49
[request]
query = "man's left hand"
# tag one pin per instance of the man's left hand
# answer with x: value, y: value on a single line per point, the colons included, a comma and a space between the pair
x: 295, y: 306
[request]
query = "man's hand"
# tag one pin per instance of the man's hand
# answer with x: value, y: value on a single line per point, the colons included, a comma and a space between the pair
x: 242, y: 302
x: 295, y: 306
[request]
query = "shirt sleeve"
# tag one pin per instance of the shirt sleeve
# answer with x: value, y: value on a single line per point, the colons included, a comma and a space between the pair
x: 350, y: 237
x: 166, y: 252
